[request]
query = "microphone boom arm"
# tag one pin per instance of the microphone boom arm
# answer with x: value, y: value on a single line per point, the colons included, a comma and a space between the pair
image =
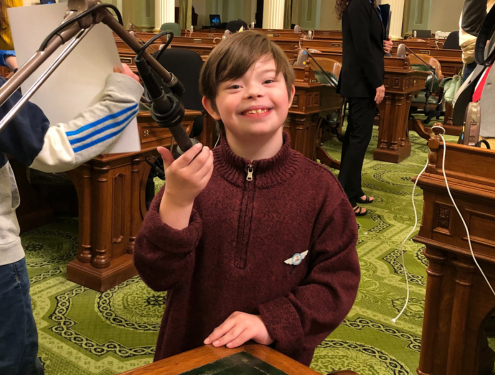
x: 80, y: 17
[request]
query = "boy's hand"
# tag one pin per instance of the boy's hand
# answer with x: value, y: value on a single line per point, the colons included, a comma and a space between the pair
x: 185, y: 177
x: 127, y: 71
x: 238, y: 329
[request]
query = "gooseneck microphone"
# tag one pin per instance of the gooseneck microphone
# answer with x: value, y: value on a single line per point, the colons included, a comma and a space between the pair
x: 166, y: 109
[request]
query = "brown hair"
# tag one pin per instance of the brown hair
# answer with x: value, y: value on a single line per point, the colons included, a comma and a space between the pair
x: 4, y: 22
x: 341, y: 6
x: 234, y: 56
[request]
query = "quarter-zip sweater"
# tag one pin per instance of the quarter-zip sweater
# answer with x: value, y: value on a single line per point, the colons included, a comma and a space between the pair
x: 240, y: 253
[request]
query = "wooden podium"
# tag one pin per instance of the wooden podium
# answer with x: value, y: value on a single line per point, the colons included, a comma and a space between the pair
x: 310, y: 99
x: 112, y: 205
x: 208, y: 355
x: 458, y: 299
x: 401, y: 83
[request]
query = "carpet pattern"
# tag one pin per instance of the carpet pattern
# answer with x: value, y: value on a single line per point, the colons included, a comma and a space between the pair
x: 85, y: 332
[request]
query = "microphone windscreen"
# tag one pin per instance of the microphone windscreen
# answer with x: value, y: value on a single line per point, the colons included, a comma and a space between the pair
x: 227, y: 33
x: 302, y: 58
x: 401, y: 50
x: 297, y: 29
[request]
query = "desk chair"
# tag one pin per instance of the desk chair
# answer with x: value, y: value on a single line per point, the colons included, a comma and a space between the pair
x: 452, y: 41
x: 173, y: 27
x: 433, y: 100
x: 329, y: 123
x: 234, y: 26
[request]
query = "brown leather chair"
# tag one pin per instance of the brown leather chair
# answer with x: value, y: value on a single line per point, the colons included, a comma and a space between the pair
x: 330, y: 65
x: 434, y: 100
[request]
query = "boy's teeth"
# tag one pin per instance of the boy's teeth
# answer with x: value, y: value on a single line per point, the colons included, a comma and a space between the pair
x: 254, y: 111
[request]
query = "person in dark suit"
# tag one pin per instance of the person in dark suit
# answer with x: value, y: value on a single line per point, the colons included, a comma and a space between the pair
x: 361, y: 82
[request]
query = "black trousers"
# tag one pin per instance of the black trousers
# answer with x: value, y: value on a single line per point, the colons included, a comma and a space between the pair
x: 356, y: 140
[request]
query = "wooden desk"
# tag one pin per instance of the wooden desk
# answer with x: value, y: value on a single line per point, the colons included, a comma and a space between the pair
x: 458, y: 301
x: 310, y: 99
x: 111, y: 199
x: 401, y: 83
x: 208, y: 354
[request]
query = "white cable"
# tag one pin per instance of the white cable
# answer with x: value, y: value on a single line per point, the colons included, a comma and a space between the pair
x: 404, y: 242
x: 216, y: 143
x: 416, y: 222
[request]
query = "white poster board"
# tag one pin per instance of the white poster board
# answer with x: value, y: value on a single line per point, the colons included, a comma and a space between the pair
x: 78, y: 82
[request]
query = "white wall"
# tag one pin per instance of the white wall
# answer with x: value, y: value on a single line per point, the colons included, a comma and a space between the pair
x: 445, y: 14
x: 328, y: 18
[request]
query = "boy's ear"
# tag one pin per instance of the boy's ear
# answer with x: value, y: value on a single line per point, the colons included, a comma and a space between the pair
x: 292, y: 92
x: 209, y: 108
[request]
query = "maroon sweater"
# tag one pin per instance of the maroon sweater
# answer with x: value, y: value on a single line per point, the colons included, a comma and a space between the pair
x: 232, y: 255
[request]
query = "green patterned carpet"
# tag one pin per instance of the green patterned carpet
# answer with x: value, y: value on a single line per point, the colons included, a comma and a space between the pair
x: 85, y: 332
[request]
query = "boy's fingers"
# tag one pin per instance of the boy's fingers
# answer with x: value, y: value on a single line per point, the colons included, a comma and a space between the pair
x: 189, y: 155
x: 199, y: 161
x: 167, y: 157
x: 207, y: 169
x: 229, y: 336
x: 240, y: 340
x: 221, y: 330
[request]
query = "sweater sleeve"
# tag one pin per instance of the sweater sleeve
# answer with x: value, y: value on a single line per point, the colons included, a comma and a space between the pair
x: 359, y: 22
x: 305, y: 317
x: 30, y: 139
x: 163, y: 255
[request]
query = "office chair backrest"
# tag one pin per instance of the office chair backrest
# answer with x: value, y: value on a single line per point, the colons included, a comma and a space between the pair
x: 428, y: 59
x: 185, y: 65
x: 173, y: 27
x: 234, y: 26
x: 452, y: 41
x: 329, y: 65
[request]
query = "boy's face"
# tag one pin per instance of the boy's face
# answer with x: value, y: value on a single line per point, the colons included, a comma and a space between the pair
x: 255, y: 104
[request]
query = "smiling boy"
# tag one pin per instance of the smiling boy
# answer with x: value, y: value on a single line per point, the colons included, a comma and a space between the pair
x: 252, y: 240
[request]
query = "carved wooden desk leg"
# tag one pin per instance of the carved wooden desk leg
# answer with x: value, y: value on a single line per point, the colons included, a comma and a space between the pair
x: 448, y: 122
x: 458, y: 351
x: 136, y: 218
x: 393, y: 136
x: 81, y: 178
x: 101, y: 219
x: 432, y: 314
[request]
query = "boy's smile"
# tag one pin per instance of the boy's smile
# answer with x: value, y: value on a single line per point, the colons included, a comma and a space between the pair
x: 254, y: 107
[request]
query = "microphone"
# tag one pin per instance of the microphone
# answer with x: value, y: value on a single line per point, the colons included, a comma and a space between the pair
x: 303, y: 60
x: 432, y: 81
x: 166, y: 110
x: 226, y: 34
x: 297, y: 29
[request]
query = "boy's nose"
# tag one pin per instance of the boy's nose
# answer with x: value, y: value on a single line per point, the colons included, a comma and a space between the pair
x: 254, y: 91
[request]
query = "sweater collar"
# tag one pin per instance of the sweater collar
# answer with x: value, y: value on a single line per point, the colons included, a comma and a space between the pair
x: 266, y: 172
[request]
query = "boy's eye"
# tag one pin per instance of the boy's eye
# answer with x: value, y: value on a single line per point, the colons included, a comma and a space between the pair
x: 234, y: 87
x: 269, y: 81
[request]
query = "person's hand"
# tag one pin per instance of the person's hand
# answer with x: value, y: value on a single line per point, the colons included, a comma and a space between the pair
x: 187, y: 176
x: 380, y: 94
x: 127, y: 71
x: 238, y: 329
x: 387, y: 45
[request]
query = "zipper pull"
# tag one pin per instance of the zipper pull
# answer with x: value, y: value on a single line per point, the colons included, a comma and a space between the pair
x: 250, y: 173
